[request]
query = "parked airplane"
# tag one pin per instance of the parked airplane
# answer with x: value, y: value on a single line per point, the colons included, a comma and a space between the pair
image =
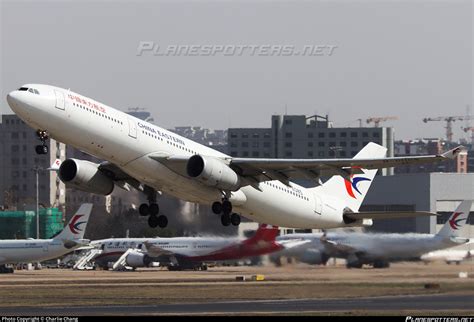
x: 151, y: 159
x: 13, y: 251
x: 378, y: 249
x: 449, y: 256
x: 184, y: 252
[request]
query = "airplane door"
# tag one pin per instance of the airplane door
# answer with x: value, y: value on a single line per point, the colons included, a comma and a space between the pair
x: 60, y: 103
x: 45, y: 247
x: 132, y: 128
x: 318, y: 204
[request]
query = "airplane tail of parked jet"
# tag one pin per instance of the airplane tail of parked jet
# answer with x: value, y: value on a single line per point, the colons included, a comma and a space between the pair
x: 76, y: 227
x: 353, y: 188
x: 265, y: 233
x: 456, y: 221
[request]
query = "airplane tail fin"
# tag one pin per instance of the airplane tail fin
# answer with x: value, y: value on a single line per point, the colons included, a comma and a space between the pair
x: 352, y: 190
x: 55, y: 165
x: 265, y: 233
x: 76, y: 226
x: 456, y: 221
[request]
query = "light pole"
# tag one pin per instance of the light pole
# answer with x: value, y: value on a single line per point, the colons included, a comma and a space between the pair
x: 37, y: 169
x: 335, y: 149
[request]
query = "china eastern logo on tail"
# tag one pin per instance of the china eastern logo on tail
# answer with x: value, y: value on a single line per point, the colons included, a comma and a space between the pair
x: 351, y: 185
x: 454, y: 222
x: 74, y: 225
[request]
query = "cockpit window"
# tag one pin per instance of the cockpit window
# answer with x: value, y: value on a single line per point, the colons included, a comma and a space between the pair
x: 23, y: 89
x: 31, y: 90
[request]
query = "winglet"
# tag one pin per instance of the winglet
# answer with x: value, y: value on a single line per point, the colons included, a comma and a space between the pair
x: 453, y: 153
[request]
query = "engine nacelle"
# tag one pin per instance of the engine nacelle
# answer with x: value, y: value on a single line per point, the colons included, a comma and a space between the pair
x: 137, y: 259
x: 314, y: 257
x: 85, y: 176
x: 213, y: 172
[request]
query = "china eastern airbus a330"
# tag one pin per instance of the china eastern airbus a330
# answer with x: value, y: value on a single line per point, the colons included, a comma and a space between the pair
x: 144, y: 156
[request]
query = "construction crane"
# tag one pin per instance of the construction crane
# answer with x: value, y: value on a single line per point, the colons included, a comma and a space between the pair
x: 377, y: 120
x: 467, y: 129
x: 449, y: 123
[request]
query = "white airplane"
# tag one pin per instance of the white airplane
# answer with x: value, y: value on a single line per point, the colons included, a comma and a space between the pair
x: 13, y: 251
x: 377, y: 249
x: 144, y: 156
x: 449, y: 256
x: 185, y: 252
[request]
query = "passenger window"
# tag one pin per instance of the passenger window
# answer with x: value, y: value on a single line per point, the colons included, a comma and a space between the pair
x: 36, y: 92
x: 30, y: 90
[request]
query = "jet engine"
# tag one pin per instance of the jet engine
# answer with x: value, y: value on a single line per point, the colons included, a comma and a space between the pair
x: 314, y: 257
x: 85, y: 176
x: 213, y: 172
x: 137, y: 259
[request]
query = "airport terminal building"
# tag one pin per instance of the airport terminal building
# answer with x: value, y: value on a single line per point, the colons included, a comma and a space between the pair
x: 434, y: 192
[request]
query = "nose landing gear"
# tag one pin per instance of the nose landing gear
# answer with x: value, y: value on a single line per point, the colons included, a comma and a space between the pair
x: 43, y: 148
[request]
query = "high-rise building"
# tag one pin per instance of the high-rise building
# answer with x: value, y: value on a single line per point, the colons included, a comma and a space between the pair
x: 303, y: 137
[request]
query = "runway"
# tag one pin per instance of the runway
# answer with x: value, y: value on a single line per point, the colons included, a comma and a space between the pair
x: 390, y: 303
x: 292, y: 289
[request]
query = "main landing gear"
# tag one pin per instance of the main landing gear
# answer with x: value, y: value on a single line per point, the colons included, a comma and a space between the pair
x: 152, y: 210
x: 43, y: 148
x: 224, y: 209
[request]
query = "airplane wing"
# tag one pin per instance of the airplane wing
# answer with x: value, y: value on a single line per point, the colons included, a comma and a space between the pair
x: 388, y: 214
x: 339, y: 248
x: 283, y: 169
x: 75, y: 243
x: 259, y: 170
x: 292, y: 243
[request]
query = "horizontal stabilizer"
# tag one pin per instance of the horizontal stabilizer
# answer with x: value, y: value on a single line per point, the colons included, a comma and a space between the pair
x: 388, y: 214
x: 460, y: 240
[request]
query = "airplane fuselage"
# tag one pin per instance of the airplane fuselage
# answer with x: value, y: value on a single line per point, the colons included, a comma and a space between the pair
x: 26, y: 251
x: 185, y: 248
x: 370, y: 247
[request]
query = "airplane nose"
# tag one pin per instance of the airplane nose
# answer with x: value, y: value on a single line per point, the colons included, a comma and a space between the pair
x: 12, y: 99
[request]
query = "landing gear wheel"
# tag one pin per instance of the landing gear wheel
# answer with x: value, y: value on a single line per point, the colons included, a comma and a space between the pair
x: 162, y: 221
x: 226, y: 207
x: 235, y: 219
x: 217, y: 208
x: 154, y: 209
x: 41, y: 149
x: 153, y: 221
x: 144, y: 209
x: 225, y: 220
